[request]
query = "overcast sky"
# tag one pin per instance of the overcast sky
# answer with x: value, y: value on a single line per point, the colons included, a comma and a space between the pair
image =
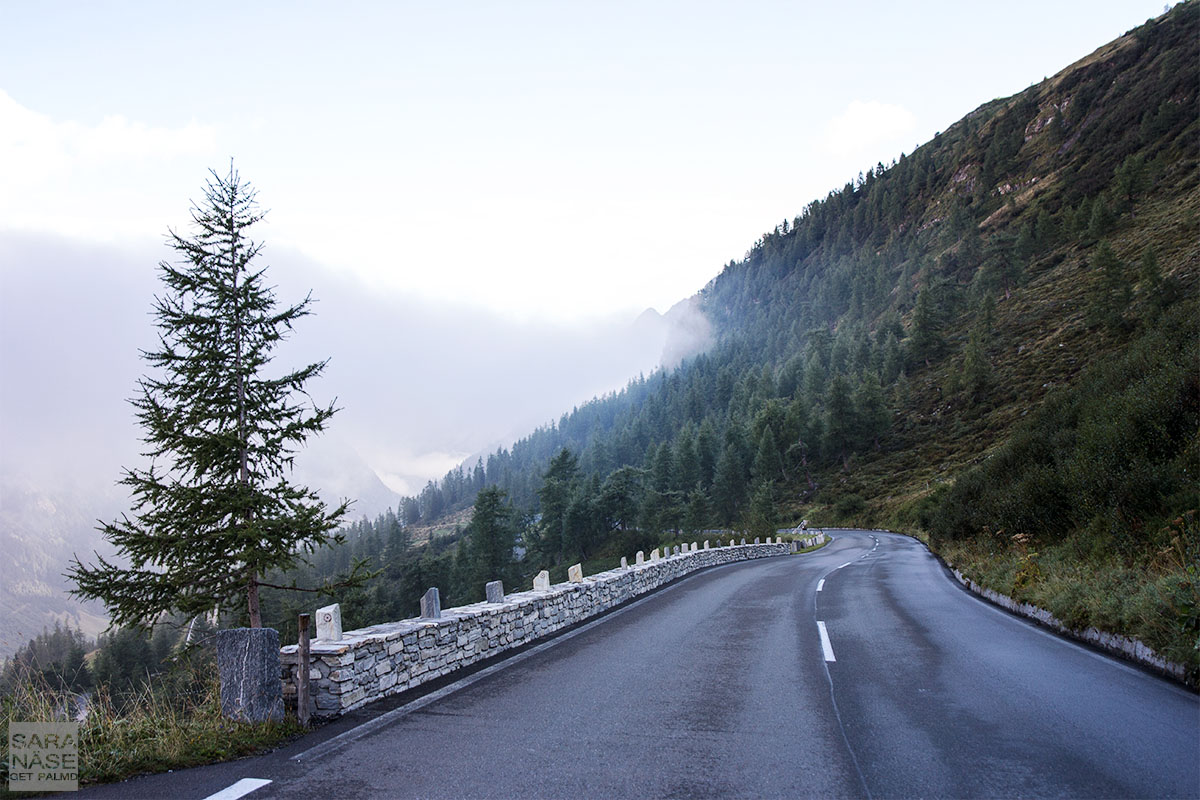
x: 477, y: 189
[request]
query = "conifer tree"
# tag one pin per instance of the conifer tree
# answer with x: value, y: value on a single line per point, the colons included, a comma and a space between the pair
x: 1111, y: 292
x: 871, y: 411
x: 977, y: 369
x: 761, y: 514
x: 215, y: 510
x: 559, y: 485
x: 492, y: 535
x: 768, y: 464
x: 839, y: 420
x: 924, y: 339
x: 729, y: 485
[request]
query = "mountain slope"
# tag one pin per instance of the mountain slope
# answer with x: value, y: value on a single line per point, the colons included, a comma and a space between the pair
x: 905, y: 343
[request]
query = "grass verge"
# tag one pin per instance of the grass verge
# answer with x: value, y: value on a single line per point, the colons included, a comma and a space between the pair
x: 155, y: 729
x: 1157, y: 603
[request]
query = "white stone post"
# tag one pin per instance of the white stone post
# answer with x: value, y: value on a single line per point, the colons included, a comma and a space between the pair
x: 329, y: 623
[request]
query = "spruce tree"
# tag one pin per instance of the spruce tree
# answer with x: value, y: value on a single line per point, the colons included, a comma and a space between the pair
x: 559, y: 485
x: 839, y: 420
x: 925, y: 340
x: 215, y: 509
x: 492, y: 534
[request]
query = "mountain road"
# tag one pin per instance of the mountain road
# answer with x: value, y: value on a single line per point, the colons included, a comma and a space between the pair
x: 862, y: 669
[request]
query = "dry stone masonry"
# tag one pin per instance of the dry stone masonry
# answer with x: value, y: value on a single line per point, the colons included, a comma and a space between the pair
x: 372, y: 663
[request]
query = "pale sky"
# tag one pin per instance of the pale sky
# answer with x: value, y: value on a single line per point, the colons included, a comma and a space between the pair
x: 482, y: 196
x: 557, y: 161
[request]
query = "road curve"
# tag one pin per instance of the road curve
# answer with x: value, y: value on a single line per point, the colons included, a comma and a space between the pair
x: 860, y: 670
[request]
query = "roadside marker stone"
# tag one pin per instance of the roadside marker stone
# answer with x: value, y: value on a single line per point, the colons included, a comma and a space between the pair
x: 624, y: 563
x: 329, y: 623
x: 431, y: 604
x: 575, y: 573
x: 541, y: 581
x: 494, y: 591
x: 640, y: 558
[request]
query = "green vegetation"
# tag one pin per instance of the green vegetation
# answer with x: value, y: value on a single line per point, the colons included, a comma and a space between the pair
x: 215, y: 510
x: 150, y: 705
x: 990, y: 342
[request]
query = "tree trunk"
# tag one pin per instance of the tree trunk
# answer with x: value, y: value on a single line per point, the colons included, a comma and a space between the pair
x: 252, y: 602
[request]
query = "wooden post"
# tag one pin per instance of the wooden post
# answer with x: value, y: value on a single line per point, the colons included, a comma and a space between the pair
x: 302, y: 676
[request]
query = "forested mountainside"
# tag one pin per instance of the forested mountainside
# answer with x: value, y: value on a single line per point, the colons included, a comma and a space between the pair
x: 991, y: 342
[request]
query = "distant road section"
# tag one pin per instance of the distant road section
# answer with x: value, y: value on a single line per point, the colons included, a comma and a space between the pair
x: 860, y: 670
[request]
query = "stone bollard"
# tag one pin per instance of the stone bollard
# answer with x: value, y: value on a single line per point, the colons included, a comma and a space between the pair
x: 575, y: 573
x: 431, y: 604
x: 654, y: 554
x: 248, y: 663
x: 624, y: 563
x: 494, y: 591
x: 640, y: 558
x: 756, y: 540
x: 743, y: 540
x: 675, y: 550
x: 794, y: 548
x: 329, y: 623
x: 706, y: 544
x: 541, y: 582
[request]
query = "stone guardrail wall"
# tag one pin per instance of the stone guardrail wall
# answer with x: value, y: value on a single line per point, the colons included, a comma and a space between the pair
x: 381, y: 660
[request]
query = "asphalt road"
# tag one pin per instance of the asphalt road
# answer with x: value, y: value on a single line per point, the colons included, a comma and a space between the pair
x: 722, y: 685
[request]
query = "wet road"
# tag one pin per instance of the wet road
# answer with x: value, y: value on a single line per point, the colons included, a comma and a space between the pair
x: 859, y: 670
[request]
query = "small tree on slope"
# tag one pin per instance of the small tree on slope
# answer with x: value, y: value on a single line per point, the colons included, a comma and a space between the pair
x: 214, y: 512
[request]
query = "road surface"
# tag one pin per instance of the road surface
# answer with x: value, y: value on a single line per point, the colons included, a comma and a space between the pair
x: 859, y: 670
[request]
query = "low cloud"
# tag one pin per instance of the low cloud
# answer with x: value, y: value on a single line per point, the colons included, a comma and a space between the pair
x: 421, y: 386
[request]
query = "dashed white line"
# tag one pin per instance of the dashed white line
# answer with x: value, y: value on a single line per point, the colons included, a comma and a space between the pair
x: 240, y: 789
x: 826, y: 647
x: 820, y: 584
x: 848, y: 563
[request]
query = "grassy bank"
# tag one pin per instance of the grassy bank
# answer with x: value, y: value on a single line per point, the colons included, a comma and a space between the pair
x: 162, y: 727
x: 1155, y: 600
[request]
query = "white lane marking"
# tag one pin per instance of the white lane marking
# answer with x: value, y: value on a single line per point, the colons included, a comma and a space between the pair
x: 240, y: 789
x: 820, y: 584
x: 848, y: 563
x: 826, y: 647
